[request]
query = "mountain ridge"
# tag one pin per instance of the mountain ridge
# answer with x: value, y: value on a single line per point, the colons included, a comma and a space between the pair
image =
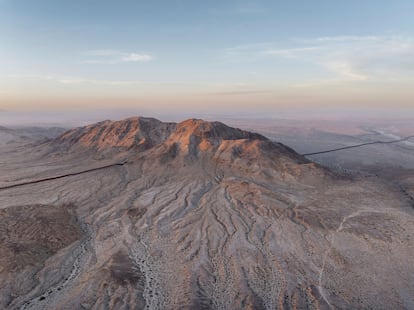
x: 158, y: 145
x: 135, y: 131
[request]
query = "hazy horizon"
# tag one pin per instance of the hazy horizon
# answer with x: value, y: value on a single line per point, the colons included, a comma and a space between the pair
x: 81, y: 117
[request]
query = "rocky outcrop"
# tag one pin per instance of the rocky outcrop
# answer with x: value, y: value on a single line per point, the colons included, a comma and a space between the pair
x: 139, y: 132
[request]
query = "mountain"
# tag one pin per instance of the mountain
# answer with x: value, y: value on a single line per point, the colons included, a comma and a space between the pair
x: 199, y: 215
x: 8, y: 135
x: 151, y: 142
x: 28, y: 134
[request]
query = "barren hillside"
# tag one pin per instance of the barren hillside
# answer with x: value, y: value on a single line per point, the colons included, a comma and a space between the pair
x: 199, y: 215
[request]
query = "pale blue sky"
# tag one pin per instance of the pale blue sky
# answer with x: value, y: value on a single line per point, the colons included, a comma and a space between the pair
x: 205, y: 55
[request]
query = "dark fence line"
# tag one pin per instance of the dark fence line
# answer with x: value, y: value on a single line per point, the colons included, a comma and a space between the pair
x: 359, y: 145
x: 63, y: 176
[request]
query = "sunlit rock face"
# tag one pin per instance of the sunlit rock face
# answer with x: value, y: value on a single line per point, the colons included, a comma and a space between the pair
x: 202, y: 216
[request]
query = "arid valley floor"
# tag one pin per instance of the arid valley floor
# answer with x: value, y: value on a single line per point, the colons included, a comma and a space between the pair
x: 144, y: 214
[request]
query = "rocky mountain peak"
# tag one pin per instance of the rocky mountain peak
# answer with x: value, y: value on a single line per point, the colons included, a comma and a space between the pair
x: 144, y: 133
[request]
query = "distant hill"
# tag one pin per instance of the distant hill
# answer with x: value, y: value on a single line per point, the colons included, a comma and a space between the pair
x: 28, y: 134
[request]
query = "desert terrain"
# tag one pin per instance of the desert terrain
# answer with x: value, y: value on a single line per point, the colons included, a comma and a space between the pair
x: 145, y: 214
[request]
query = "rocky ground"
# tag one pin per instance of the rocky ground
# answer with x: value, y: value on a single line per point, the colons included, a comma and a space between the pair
x: 200, y: 216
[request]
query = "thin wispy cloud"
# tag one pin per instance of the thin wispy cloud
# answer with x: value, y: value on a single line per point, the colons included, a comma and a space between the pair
x: 72, y: 80
x: 291, y: 52
x: 95, y: 82
x: 245, y: 52
x: 115, y: 57
x: 239, y: 92
x: 346, y: 70
x: 346, y: 39
x: 353, y: 58
x: 31, y: 76
x: 63, y: 79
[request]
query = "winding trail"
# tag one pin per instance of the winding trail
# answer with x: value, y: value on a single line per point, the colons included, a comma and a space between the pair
x: 340, y: 227
x: 359, y: 145
x: 63, y: 175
